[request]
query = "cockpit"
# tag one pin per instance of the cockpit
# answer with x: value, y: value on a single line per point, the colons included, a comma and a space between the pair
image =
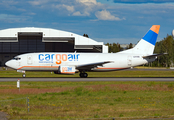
x: 16, y: 58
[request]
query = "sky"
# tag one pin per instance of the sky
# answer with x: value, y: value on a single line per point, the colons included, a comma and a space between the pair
x: 108, y: 21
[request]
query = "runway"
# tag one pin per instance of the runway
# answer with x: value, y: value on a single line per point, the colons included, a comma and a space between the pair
x: 85, y: 79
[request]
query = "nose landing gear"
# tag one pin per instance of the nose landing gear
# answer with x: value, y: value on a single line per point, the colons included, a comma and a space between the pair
x: 23, y: 75
x: 22, y: 71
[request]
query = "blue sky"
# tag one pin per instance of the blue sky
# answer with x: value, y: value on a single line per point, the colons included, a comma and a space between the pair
x: 119, y: 21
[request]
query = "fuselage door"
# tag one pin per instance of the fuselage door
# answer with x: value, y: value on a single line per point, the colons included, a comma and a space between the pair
x: 129, y: 61
x: 29, y: 59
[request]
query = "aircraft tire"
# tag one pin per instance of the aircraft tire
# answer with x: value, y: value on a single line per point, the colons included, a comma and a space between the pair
x: 23, y: 75
x: 83, y: 75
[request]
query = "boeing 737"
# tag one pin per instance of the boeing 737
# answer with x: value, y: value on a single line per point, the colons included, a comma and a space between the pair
x: 69, y: 63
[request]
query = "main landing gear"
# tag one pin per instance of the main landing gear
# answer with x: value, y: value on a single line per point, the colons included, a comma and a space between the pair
x: 83, y: 75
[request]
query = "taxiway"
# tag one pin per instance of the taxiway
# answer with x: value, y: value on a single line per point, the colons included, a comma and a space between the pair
x: 86, y: 79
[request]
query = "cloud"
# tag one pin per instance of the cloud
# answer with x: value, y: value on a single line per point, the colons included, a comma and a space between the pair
x: 8, y: 5
x: 86, y: 7
x: 61, y: 7
x: 73, y: 7
x: 106, y: 15
x: 142, y: 1
x: 89, y: 8
x: 81, y: 14
x: 13, y: 18
x: 9, y: 2
x: 88, y: 2
x: 38, y: 2
x: 35, y: 2
x: 77, y: 14
x: 31, y: 13
x: 69, y: 8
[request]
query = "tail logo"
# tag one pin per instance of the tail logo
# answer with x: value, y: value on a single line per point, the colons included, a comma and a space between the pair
x: 152, y: 34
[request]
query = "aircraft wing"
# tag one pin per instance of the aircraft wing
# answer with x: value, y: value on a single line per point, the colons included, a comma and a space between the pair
x: 91, y: 65
x: 154, y: 55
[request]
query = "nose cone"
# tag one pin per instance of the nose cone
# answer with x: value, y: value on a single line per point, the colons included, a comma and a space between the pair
x: 10, y: 63
x: 7, y: 63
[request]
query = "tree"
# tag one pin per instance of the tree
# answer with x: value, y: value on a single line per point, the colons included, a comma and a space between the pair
x: 85, y: 35
x: 130, y: 46
x: 165, y: 46
x: 113, y: 47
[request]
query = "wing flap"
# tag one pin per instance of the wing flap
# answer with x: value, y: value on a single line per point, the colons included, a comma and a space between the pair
x: 91, y: 65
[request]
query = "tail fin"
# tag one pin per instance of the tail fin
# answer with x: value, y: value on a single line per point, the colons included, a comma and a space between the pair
x: 152, y: 34
x: 147, y: 44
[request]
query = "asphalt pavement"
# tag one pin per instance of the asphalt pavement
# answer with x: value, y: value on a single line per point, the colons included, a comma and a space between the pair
x: 86, y: 79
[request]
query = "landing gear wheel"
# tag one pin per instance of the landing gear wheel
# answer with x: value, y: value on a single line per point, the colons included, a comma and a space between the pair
x: 83, y: 75
x: 23, y: 75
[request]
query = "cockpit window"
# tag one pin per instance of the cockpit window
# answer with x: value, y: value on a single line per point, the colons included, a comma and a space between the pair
x: 16, y: 58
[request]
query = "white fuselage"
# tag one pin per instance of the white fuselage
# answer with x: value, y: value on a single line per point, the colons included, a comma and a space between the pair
x: 50, y: 61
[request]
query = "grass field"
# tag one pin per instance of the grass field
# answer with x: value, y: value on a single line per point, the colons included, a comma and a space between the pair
x: 77, y: 100
x: 82, y: 100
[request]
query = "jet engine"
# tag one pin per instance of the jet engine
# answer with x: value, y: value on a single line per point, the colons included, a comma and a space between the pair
x: 66, y: 70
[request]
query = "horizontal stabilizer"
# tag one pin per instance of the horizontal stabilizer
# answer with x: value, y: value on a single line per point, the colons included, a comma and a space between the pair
x: 91, y: 65
x: 154, y: 55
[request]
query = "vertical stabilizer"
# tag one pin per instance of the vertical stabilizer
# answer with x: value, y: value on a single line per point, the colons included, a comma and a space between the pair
x: 147, y: 44
x: 152, y: 34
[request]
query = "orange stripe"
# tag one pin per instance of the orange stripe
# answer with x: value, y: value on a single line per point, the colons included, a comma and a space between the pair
x: 39, y: 67
x: 155, y: 28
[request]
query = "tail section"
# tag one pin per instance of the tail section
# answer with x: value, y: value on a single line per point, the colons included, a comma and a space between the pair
x: 147, y: 44
x: 152, y: 34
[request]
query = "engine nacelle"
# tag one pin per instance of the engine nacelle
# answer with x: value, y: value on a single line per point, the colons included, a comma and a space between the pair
x: 66, y: 70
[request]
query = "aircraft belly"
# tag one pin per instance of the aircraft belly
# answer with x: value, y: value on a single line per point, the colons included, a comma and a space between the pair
x: 39, y: 68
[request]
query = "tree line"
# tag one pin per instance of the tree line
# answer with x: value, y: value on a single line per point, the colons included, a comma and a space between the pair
x: 115, y: 47
x: 166, y: 45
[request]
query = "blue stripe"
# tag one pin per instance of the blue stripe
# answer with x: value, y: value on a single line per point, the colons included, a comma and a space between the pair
x: 151, y: 37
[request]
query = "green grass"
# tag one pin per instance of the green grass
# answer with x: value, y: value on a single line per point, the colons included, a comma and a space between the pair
x: 72, y: 100
x: 125, y: 73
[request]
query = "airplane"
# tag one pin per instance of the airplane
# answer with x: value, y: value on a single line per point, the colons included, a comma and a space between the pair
x: 70, y: 63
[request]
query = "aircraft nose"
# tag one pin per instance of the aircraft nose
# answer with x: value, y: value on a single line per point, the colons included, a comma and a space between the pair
x: 9, y: 63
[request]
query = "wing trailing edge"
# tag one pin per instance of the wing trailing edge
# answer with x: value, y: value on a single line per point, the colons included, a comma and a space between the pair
x: 91, y: 65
